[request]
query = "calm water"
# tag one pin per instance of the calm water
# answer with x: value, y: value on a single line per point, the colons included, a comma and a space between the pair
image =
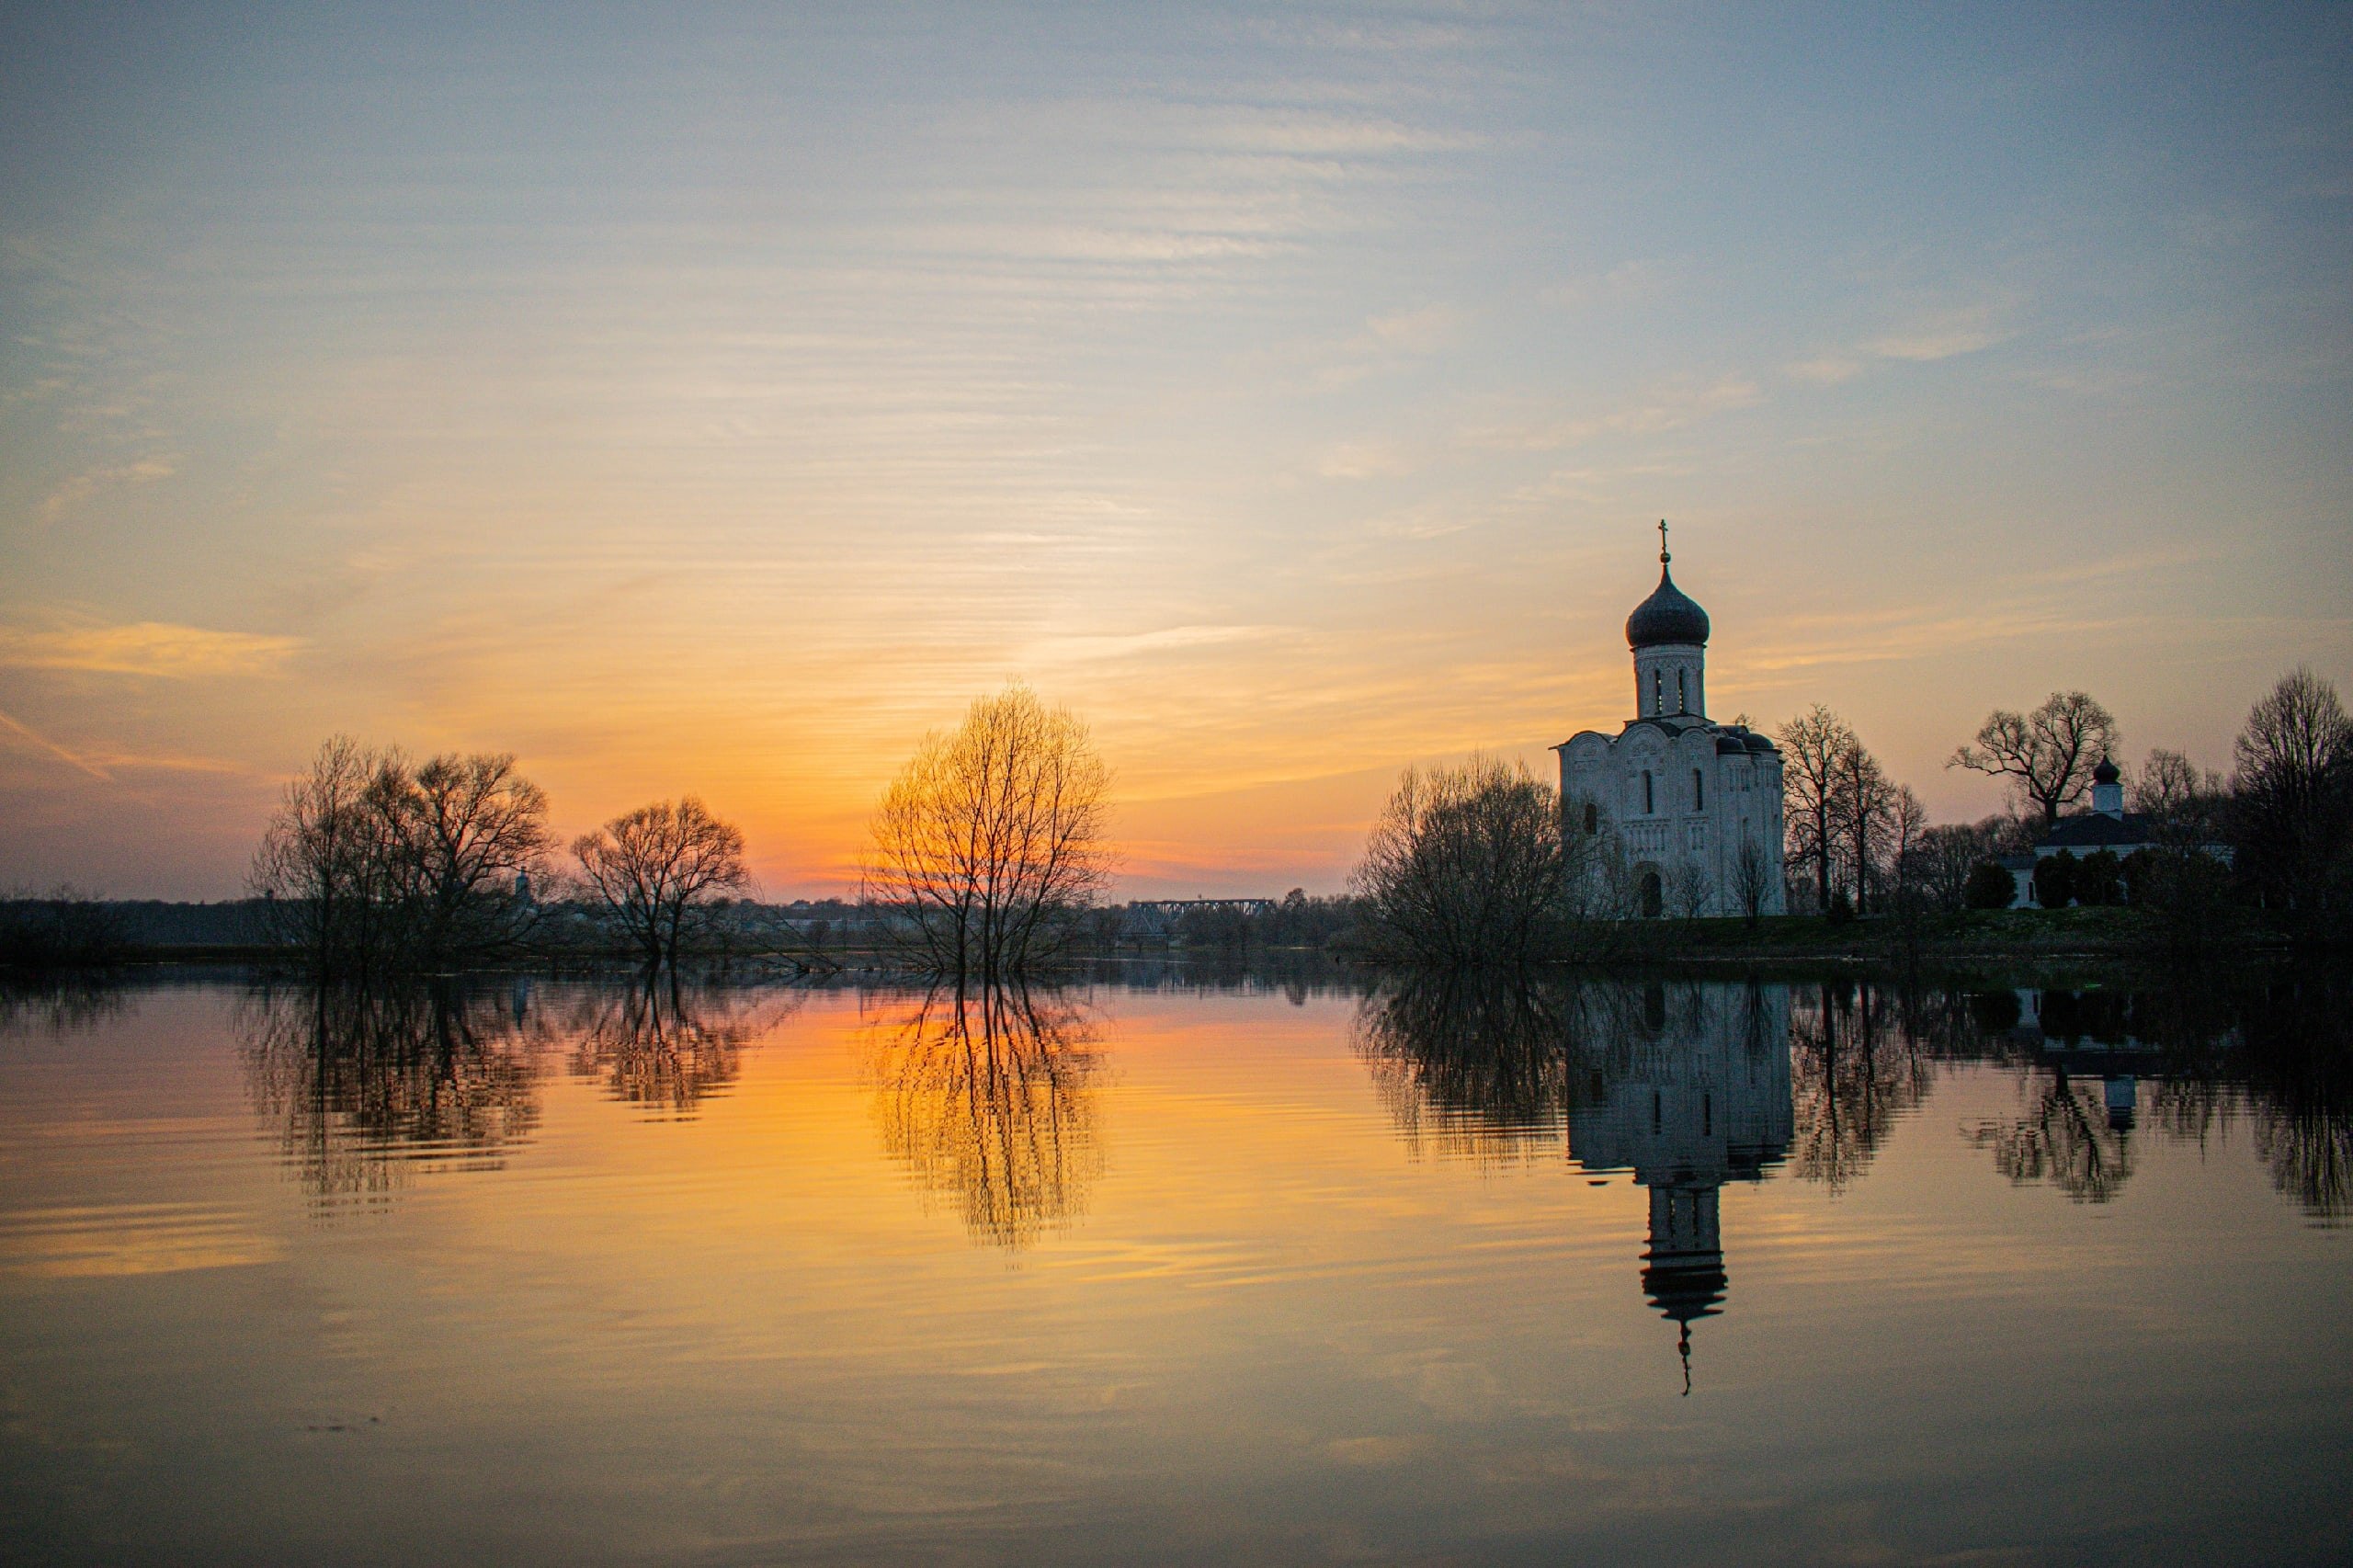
x: 1159, y: 1272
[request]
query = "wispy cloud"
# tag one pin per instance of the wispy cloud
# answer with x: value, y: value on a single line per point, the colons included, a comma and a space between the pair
x: 68, y: 497
x: 1385, y: 343
x: 1087, y: 649
x: 27, y: 736
x: 144, y: 648
x: 1671, y: 405
x: 1364, y: 459
x: 1642, y: 278
x: 1923, y: 339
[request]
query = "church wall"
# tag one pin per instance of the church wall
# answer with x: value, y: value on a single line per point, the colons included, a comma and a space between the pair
x: 1737, y: 799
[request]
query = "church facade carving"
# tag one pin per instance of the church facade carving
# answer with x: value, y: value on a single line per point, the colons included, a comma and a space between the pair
x: 1691, y: 807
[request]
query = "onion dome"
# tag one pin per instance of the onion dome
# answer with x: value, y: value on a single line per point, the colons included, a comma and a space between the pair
x: 2106, y: 773
x: 1667, y: 616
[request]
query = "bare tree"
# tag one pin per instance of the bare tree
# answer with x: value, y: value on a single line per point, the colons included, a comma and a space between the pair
x: 1812, y: 745
x: 1689, y: 890
x: 370, y: 864
x: 2167, y: 782
x: 1943, y: 856
x: 2049, y: 753
x: 1752, y: 880
x: 657, y: 869
x: 303, y: 869
x: 1863, y: 805
x: 990, y: 844
x: 472, y: 827
x: 1464, y: 868
x: 2294, y: 785
x: 1907, y: 819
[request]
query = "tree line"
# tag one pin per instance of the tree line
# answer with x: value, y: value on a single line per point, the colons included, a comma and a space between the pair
x: 2283, y: 820
x: 1474, y: 866
x: 988, y: 854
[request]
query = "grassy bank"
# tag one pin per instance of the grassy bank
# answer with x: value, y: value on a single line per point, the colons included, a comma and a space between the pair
x: 2011, y: 934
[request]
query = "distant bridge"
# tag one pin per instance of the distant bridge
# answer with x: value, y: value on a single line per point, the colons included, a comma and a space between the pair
x: 1173, y: 907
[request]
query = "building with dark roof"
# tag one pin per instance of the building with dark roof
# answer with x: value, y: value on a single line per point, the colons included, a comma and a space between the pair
x: 2106, y: 826
x: 1693, y: 807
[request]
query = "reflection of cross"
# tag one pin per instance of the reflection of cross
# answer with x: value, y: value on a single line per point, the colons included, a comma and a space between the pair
x: 1662, y: 541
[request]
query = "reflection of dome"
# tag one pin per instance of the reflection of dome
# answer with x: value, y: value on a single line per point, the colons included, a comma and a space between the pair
x: 1685, y: 1291
x: 1667, y: 616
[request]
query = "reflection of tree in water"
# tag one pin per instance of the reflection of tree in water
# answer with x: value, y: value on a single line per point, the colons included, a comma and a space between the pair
x: 361, y: 1081
x: 665, y: 1046
x: 1473, y: 1065
x: 1857, y: 1065
x: 2299, y: 1060
x: 58, y: 1004
x: 2064, y: 1136
x: 2271, y: 1049
x: 987, y: 1094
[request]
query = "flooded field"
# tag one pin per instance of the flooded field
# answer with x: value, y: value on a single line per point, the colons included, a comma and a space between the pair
x: 1156, y: 1269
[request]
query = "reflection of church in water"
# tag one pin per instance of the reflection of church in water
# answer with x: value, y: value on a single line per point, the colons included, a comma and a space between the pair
x: 1701, y: 1098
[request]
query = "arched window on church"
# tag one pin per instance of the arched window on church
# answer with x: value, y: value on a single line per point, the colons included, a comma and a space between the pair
x: 1592, y: 819
x: 1649, y: 805
x: 1659, y: 690
x: 1682, y: 702
x: 1698, y: 790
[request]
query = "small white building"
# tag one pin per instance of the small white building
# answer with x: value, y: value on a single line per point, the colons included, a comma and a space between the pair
x: 1694, y: 807
x: 2108, y: 825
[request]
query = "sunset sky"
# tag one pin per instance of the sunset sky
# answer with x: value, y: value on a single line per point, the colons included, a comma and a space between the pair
x: 713, y: 400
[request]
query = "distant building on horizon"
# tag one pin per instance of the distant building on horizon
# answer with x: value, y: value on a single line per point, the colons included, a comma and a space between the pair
x: 1694, y: 807
x: 2106, y: 826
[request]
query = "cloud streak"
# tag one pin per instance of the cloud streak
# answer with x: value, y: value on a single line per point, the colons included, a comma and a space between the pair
x: 155, y: 649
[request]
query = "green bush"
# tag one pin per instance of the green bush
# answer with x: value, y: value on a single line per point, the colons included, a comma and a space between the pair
x: 1842, y: 909
x: 2098, y: 879
x: 2055, y: 880
x: 1989, y: 887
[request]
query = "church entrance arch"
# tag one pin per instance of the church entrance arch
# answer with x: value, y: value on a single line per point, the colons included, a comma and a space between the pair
x: 1650, y: 892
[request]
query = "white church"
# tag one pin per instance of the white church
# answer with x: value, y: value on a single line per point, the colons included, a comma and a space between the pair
x: 1693, y: 807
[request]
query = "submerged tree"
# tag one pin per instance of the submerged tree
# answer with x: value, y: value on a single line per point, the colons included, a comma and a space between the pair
x: 371, y: 863
x: 1465, y: 867
x: 990, y: 844
x: 658, y: 869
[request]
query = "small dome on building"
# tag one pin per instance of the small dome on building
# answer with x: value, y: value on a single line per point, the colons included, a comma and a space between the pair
x: 1761, y: 744
x: 1667, y: 616
x: 2106, y: 773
